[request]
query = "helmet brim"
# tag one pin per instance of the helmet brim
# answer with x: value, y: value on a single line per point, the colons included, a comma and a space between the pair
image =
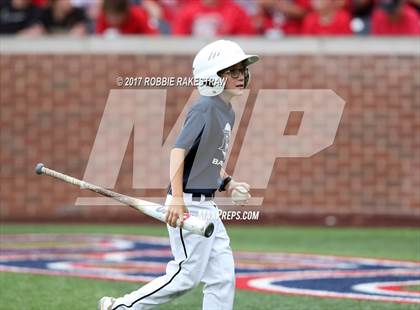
x: 250, y: 59
x: 245, y: 59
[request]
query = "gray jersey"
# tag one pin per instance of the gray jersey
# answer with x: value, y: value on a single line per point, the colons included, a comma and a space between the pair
x: 205, y: 138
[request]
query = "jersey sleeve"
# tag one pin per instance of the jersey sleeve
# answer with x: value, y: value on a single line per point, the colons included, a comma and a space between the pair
x: 243, y: 25
x: 143, y: 22
x: 308, y: 25
x: 182, y: 23
x: 100, y: 24
x: 193, y: 127
x: 78, y: 17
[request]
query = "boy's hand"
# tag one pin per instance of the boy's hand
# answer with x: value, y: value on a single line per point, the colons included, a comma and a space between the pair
x: 176, y: 211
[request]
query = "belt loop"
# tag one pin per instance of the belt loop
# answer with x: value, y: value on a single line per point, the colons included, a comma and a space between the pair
x: 188, y: 198
x: 202, y: 198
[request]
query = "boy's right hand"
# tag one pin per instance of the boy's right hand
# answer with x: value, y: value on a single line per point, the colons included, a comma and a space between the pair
x: 176, y: 210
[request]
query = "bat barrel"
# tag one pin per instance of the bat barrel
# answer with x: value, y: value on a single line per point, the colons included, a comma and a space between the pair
x: 209, y: 230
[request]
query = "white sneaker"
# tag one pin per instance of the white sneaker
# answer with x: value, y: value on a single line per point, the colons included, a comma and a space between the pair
x: 105, y: 303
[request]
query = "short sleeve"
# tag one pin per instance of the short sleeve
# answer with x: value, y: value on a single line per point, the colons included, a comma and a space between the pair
x: 77, y: 16
x: 34, y: 16
x: 193, y: 127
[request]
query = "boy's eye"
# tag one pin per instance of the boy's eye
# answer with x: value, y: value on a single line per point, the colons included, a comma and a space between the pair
x: 235, y: 72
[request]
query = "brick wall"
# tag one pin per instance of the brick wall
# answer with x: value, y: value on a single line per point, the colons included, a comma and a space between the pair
x: 51, y: 105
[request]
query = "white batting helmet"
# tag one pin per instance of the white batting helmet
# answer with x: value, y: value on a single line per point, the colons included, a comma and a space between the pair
x: 213, y: 58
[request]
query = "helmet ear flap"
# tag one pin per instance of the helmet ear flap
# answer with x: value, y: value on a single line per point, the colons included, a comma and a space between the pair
x: 247, y: 78
x: 211, y: 86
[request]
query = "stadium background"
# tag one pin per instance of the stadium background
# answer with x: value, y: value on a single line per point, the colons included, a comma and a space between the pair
x: 54, y: 93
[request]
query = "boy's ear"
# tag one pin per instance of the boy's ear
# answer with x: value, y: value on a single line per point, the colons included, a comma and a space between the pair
x: 247, y: 78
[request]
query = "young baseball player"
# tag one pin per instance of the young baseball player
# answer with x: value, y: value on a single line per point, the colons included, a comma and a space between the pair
x: 196, y: 173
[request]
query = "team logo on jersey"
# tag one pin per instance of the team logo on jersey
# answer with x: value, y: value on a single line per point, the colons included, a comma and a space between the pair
x: 138, y: 258
x: 226, y: 139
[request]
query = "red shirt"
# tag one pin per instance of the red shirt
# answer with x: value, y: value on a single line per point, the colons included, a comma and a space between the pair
x: 339, y: 25
x: 224, y: 18
x: 292, y: 25
x: 266, y: 21
x: 137, y: 22
x: 407, y: 24
x: 40, y: 3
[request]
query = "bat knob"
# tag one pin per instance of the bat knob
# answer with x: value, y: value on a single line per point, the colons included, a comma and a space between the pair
x: 38, y: 168
x: 209, y: 230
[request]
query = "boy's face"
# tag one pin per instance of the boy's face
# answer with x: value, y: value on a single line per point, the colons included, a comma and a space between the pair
x: 62, y: 6
x: 235, y: 79
x: 115, y: 19
x: 20, y: 4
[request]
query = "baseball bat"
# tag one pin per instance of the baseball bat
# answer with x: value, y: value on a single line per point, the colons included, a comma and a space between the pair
x: 191, y: 223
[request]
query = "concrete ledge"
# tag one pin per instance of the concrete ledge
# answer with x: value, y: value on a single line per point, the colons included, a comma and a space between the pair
x: 189, y: 46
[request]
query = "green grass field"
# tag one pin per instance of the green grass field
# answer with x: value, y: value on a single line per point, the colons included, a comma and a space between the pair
x: 24, y: 291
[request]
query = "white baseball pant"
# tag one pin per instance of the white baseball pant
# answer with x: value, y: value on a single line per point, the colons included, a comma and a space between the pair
x: 196, y: 259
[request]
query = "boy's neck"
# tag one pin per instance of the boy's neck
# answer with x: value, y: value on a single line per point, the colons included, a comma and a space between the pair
x: 327, y: 15
x: 226, y: 97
